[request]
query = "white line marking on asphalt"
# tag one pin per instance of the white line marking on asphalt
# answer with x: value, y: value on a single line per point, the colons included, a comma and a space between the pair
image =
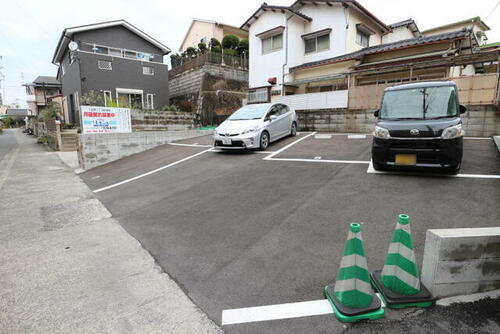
x: 479, y: 138
x: 151, y: 172
x: 372, y: 170
x: 323, y: 136
x: 288, y: 146
x: 189, y: 145
x: 356, y: 136
x: 274, y: 312
x: 317, y: 160
x: 256, y: 152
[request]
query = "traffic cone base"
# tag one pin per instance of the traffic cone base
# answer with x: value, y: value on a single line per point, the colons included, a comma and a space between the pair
x: 348, y: 314
x: 423, y: 298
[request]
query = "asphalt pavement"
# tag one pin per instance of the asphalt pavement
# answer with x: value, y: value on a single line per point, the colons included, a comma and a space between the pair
x: 237, y: 230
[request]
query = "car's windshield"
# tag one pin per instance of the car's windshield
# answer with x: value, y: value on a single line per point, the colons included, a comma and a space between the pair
x: 420, y: 103
x: 250, y: 111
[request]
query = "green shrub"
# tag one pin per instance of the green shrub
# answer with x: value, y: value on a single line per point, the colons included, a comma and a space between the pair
x: 230, y: 42
x: 42, y: 140
x: 92, y: 98
x: 202, y: 48
x: 243, y: 47
x: 185, y: 106
x: 7, y: 121
x: 230, y: 52
x: 217, y: 49
x: 191, y: 52
x: 214, y: 42
x: 171, y: 107
x: 52, y: 111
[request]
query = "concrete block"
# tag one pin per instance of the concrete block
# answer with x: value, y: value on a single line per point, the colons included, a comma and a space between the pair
x: 461, y: 261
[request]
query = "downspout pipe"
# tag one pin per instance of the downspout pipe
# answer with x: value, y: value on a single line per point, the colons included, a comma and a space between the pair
x: 286, y: 56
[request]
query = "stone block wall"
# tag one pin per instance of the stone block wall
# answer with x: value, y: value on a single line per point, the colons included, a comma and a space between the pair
x: 98, y: 149
x: 215, y: 91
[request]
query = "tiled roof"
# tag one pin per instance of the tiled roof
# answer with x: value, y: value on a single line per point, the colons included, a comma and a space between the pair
x: 46, y: 80
x: 459, y: 34
x: 401, y: 23
x: 265, y: 7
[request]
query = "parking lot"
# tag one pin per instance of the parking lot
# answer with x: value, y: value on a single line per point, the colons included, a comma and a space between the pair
x: 244, y: 229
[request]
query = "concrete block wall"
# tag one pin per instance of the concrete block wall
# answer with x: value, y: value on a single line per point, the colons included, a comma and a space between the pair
x: 154, y: 120
x: 98, y: 149
x: 478, y: 121
x: 461, y: 261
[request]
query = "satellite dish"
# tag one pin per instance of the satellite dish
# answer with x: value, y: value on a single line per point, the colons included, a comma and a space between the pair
x: 73, y: 46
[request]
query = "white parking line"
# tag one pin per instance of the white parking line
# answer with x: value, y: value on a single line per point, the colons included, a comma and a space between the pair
x: 288, y: 146
x: 274, y: 312
x: 372, y: 170
x: 151, y: 172
x: 321, y: 160
x: 189, y: 145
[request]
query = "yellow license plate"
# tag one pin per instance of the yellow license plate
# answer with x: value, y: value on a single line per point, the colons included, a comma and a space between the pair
x: 406, y: 159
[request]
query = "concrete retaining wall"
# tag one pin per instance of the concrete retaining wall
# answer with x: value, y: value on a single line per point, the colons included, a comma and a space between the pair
x: 461, y: 261
x: 477, y: 121
x: 98, y: 149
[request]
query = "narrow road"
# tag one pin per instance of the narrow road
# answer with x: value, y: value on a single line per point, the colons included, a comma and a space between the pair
x: 7, y: 142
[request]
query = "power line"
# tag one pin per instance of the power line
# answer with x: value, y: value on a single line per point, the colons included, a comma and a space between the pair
x: 494, y: 8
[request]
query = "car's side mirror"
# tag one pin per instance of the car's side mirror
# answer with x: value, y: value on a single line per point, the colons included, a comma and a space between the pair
x: 462, y: 108
x: 376, y: 112
x: 273, y: 117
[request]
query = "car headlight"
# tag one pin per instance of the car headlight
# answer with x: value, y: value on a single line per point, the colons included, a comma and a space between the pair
x: 381, y: 133
x: 453, y: 132
x: 250, y: 130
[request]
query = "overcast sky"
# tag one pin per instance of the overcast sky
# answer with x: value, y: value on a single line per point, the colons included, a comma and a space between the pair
x: 30, y: 29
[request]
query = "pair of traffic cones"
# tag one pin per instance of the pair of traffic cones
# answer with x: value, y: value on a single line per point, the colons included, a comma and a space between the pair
x: 352, y: 297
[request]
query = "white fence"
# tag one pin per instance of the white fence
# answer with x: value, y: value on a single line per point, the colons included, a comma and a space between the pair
x: 311, y: 101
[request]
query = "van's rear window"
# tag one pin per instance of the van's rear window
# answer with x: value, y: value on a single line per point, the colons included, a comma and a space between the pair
x: 420, y: 103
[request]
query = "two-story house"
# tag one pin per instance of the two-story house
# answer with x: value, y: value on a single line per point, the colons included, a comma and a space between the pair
x: 115, y: 59
x: 316, y: 49
x: 201, y: 31
x: 40, y: 92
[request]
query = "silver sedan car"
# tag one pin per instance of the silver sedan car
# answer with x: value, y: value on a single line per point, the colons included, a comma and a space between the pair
x: 255, y: 126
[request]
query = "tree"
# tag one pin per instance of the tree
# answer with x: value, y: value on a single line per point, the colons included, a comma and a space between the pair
x: 52, y: 111
x: 191, y: 52
x: 230, y: 42
x: 243, y: 47
x: 214, y: 42
x: 175, y: 60
x: 202, y: 48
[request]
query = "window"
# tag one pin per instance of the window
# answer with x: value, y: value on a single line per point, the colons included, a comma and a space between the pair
x: 104, y: 65
x: 273, y: 43
x: 318, y: 43
x: 362, y: 38
x: 115, y: 52
x: 150, y: 101
x: 130, y: 54
x: 258, y: 95
x: 107, y: 97
x: 148, y: 70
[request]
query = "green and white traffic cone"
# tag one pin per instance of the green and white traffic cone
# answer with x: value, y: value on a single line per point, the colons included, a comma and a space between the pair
x: 351, y: 296
x: 398, y: 282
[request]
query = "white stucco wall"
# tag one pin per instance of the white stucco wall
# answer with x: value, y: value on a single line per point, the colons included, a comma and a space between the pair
x: 355, y: 18
x: 324, y: 17
x: 264, y: 66
x: 199, y: 30
x: 398, y: 34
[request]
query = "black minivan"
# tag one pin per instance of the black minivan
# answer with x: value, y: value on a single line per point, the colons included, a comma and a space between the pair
x: 419, y: 126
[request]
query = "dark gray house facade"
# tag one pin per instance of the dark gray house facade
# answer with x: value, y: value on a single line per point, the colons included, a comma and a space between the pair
x: 116, y: 60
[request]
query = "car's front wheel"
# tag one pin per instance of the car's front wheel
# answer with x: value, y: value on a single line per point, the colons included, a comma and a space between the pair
x: 264, y: 141
x: 293, y: 131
